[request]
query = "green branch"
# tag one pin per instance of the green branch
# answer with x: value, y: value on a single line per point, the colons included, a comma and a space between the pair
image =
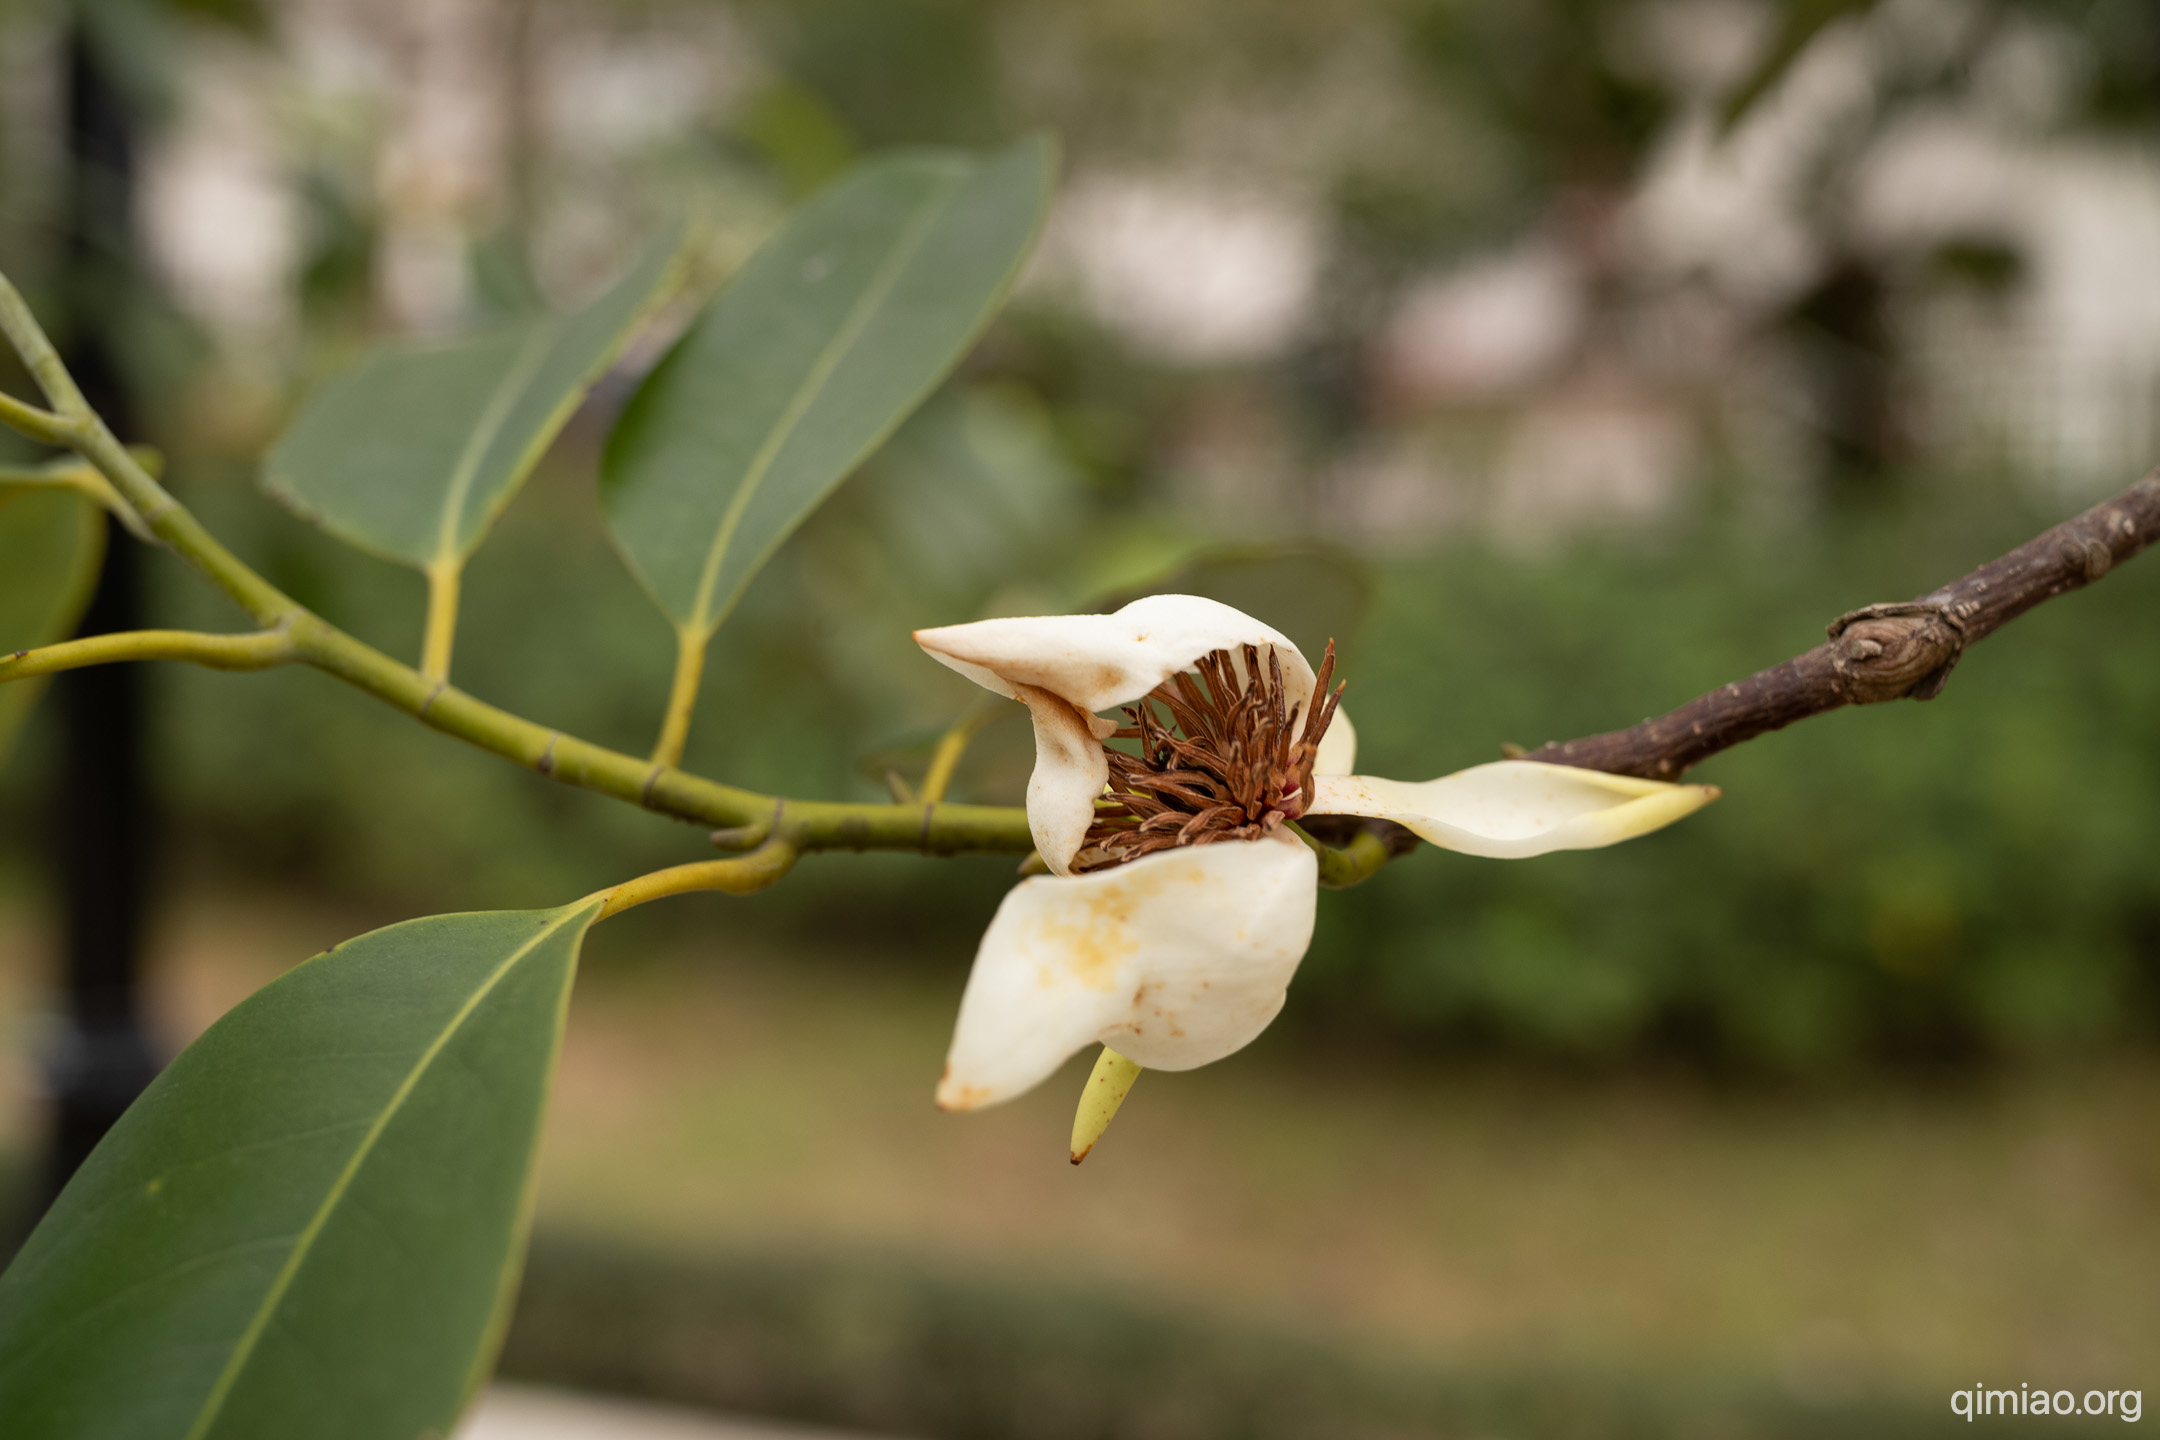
x: 70, y: 473
x: 292, y: 634
x: 38, y: 356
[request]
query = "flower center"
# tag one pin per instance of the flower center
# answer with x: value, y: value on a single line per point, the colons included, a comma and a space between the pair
x: 1232, y: 762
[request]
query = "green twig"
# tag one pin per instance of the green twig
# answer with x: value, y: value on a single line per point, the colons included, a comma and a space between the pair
x: 40, y: 425
x: 812, y: 825
x: 70, y: 473
x: 292, y: 634
x: 1352, y: 864
x: 39, y: 356
x: 220, y: 652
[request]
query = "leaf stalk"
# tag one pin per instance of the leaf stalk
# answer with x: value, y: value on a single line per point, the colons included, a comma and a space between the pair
x: 260, y: 651
x: 682, y: 701
x: 737, y: 875
x: 443, y: 580
x: 950, y: 747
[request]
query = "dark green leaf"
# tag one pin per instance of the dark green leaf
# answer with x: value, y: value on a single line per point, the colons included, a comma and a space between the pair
x: 310, y: 1224
x: 52, y: 541
x: 414, y: 452
x: 831, y: 334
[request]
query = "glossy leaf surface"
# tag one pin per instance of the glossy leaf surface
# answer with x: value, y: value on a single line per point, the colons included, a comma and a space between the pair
x: 52, y: 541
x: 414, y: 452
x: 310, y: 1223
x: 834, y: 331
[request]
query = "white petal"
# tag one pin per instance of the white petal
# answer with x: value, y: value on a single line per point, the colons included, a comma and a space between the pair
x: 1175, y: 959
x: 1070, y: 771
x: 1515, y: 808
x: 1338, y: 747
x: 1099, y: 661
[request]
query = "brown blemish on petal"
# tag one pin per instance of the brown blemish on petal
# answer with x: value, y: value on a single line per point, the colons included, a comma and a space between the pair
x: 959, y: 1097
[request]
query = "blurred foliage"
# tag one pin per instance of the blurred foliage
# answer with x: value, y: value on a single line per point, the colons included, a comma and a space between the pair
x: 1892, y: 882
x: 895, y: 71
x: 1964, y: 879
x: 1959, y: 879
x: 1797, y: 28
x: 1543, y: 73
x: 52, y: 543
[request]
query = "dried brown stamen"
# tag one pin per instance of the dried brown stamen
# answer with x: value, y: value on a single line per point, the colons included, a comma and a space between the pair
x: 1233, y: 762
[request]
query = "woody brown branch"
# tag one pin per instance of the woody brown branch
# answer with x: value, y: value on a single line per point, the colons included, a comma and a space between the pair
x: 1882, y: 652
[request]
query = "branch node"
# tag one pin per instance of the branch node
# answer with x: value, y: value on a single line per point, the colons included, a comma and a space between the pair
x: 743, y: 837
x: 2089, y: 555
x: 1896, y: 651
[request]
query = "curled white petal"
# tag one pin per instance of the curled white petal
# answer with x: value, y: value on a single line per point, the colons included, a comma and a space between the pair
x: 1338, y: 747
x: 1070, y: 771
x: 1099, y: 661
x: 1175, y: 960
x: 1515, y: 808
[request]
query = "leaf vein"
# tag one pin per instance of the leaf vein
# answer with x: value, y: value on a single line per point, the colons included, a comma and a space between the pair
x: 497, y: 414
x: 813, y: 384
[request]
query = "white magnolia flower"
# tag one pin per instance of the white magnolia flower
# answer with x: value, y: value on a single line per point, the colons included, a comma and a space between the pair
x: 1179, y: 904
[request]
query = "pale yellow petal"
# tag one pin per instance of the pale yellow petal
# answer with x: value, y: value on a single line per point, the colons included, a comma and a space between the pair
x: 1175, y: 959
x: 1516, y: 808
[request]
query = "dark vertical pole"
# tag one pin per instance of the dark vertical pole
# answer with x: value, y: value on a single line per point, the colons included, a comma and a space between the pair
x: 102, y: 815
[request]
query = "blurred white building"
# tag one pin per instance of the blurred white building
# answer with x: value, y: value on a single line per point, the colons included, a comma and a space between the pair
x: 1583, y: 373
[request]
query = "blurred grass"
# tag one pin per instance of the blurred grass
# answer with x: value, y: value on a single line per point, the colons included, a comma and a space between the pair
x: 747, y: 1201
x: 878, y: 1341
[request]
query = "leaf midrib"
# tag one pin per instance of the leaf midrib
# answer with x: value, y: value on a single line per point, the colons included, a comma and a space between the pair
x: 260, y: 1321
x: 507, y: 393
x: 813, y: 384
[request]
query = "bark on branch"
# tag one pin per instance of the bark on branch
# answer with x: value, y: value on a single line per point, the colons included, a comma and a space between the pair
x: 1882, y: 652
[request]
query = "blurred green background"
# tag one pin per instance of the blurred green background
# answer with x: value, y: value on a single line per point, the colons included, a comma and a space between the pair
x: 1482, y: 335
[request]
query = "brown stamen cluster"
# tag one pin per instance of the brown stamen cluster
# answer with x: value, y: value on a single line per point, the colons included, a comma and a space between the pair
x: 1232, y: 763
